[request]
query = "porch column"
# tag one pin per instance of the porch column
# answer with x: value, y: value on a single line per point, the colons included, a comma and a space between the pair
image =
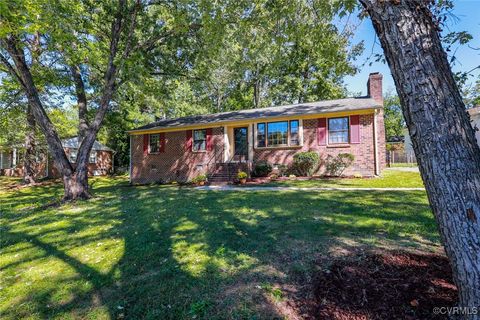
x: 226, y: 144
x: 14, y: 157
x: 250, y: 142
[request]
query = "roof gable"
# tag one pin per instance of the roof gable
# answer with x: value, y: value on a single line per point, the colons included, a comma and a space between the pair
x: 73, y: 143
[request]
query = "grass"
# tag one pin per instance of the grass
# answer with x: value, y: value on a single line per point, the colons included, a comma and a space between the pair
x: 175, y: 253
x: 403, y: 165
x: 8, y: 182
x: 390, y: 178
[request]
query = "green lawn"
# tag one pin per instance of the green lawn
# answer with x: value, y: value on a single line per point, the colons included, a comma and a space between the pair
x: 391, y: 178
x: 403, y: 165
x: 164, y: 252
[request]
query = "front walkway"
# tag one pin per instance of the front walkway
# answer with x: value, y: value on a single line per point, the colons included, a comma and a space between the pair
x: 259, y: 188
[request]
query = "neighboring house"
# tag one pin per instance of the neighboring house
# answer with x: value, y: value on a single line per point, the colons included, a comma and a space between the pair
x: 220, y: 144
x: 100, y: 160
x: 475, y: 117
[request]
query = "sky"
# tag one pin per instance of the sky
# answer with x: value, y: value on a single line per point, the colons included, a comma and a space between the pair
x: 466, y: 13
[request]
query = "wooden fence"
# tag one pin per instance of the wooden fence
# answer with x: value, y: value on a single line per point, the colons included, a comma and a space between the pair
x: 401, y: 157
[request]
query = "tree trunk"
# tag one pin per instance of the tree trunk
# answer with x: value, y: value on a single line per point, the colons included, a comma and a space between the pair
x: 76, y: 186
x: 75, y: 180
x: 81, y: 102
x: 256, y: 93
x: 29, y: 160
x: 443, y: 139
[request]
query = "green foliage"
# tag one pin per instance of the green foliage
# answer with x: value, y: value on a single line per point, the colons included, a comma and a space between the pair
x: 199, y: 308
x: 276, y: 293
x: 199, y: 178
x: 242, y: 175
x: 262, y: 169
x: 471, y: 94
x: 393, y: 117
x: 335, y: 166
x: 305, y: 163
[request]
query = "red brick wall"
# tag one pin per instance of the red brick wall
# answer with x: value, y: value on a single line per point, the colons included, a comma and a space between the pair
x: 363, y: 151
x: 103, y: 165
x: 176, y: 163
x: 382, y: 143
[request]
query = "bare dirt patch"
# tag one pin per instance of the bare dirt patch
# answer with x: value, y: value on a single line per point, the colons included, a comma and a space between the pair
x: 388, y: 285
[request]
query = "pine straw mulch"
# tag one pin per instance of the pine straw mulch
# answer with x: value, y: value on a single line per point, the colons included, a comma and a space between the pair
x: 388, y: 285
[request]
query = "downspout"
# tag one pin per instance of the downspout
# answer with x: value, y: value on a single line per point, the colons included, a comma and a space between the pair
x: 375, y: 143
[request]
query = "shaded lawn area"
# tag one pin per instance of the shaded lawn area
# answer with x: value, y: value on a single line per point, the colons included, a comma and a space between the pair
x: 390, y: 178
x: 9, y: 182
x: 176, y: 253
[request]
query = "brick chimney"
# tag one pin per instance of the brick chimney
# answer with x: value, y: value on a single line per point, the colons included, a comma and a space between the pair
x: 374, y: 86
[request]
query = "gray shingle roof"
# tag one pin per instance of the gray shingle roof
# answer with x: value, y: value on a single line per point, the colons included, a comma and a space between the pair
x: 327, y: 106
x: 72, y: 143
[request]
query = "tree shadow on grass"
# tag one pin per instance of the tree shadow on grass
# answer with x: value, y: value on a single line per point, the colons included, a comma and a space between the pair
x: 190, y: 253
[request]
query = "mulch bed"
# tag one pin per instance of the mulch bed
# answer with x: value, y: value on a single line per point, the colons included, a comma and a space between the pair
x: 391, y: 285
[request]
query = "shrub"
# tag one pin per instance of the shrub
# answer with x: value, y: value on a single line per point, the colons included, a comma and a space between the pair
x: 262, y: 169
x: 305, y: 163
x: 282, y: 170
x: 242, y: 175
x: 199, y: 178
x: 336, y: 165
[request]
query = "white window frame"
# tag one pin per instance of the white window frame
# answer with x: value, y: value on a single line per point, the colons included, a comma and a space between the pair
x: 288, y: 145
x: 70, y: 155
x: 193, y: 140
x: 94, y: 153
x: 159, y: 143
x: 328, y: 131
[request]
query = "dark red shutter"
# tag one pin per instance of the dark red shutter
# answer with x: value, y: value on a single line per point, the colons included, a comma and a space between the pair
x: 162, y: 142
x: 209, y: 139
x: 188, y: 141
x: 145, y: 144
x: 355, y: 129
x: 322, y: 132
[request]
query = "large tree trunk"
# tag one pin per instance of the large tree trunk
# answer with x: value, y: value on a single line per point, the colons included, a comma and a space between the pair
x: 443, y: 139
x: 81, y: 102
x: 76, y: 186
x: 29, y: 159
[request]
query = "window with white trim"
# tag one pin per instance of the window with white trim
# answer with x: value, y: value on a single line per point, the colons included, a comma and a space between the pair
x: 200, y: 140
x: 278, y: 134
x: 261, y: 142
x: 154, y: 143
x: 294, y: 133
x: 338, y: 130
x: 93, y: 157
x: 73, y: 155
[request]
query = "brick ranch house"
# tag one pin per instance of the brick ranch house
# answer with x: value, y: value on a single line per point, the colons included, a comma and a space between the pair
x: 100, y: 160
x: 220, y: 144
